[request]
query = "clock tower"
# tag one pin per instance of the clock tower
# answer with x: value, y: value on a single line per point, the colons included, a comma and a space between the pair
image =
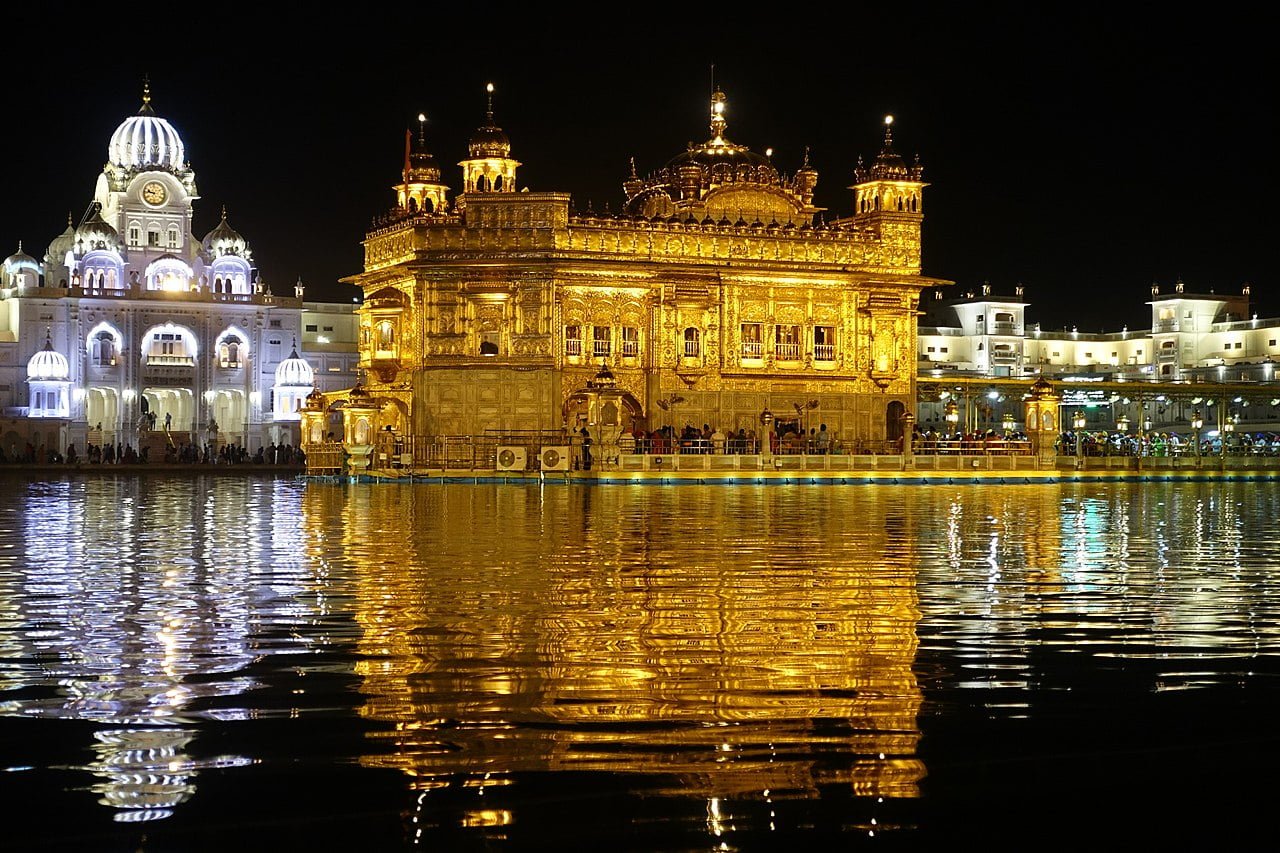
x: 146, y: 188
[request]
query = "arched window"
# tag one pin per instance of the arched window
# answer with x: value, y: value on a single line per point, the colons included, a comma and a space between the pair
x: 229, y: 352
x: 386, y: 336
x: 691, y: 343
x: 104, y: 349
x: 497, y: 184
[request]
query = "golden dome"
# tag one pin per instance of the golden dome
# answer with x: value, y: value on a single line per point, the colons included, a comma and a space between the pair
x: 723, y: 179
x: 489, y: 140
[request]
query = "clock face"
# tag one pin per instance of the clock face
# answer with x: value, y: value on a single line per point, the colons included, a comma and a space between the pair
x: 154, y: 193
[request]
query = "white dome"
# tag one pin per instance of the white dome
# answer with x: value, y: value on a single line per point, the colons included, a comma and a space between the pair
x: 48, y: 364
x: 225, y: 240
x: 295, y: 371
x: 96, y: 234
x: 146, y: 140
x: 20, y: 260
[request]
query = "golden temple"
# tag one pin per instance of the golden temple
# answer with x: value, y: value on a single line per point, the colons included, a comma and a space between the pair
x: 716, y: 293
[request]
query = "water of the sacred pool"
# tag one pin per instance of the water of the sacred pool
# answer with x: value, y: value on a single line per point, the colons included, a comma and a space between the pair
x: 222, y: 662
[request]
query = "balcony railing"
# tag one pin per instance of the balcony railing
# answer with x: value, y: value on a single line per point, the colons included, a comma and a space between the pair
x: 600, y: 349
x: 572, y: 346
x: 630, y: 349
x: 824, y: 352
x: 752, y: 349
x: 787, y: 352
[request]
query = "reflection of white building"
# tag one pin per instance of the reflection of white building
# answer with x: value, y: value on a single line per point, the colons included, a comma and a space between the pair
x: 146, y: 319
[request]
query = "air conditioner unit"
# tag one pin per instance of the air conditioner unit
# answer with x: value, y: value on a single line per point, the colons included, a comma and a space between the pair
x: 511, y: 458
x: 554, y: 458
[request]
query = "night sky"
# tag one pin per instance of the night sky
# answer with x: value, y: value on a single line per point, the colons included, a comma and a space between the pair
x: 1085, y: 156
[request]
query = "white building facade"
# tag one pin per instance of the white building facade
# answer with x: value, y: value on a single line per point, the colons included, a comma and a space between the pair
x: 133, y: 331
x: 1191, y: 335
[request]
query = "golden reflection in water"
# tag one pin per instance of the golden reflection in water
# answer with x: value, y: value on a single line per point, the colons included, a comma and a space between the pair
x: 645, y: 631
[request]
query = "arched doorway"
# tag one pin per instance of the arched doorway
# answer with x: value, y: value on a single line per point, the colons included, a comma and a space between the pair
x: 893, y: 420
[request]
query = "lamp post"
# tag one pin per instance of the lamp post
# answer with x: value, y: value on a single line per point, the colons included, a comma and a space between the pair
x: 1078, y: 423
x: 952, y: 415
x: 1006, y: 421
x: 1228, y: 428
x: 1122, y: 427
x: 1196, y: 423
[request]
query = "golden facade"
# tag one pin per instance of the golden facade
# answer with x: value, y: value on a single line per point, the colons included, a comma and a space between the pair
x: 717, y: 293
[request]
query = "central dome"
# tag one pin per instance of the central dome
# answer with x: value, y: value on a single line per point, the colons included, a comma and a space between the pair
x: 146, y: 140
x: 722, y: 180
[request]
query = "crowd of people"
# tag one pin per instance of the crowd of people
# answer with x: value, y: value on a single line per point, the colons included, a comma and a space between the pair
x: 1160, y: 444
x: 175, y: 454
x: 690, y: 439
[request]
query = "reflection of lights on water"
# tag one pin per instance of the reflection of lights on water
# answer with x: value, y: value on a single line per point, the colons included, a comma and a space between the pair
x: 487, y: 817
x: 130, y: 635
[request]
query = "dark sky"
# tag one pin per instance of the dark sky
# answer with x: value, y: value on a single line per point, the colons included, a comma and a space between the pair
x: 1084, y: 154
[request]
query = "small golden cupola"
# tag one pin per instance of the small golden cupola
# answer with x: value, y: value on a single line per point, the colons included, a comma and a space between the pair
x: 490, y: 167
x: 420, y: 188
x: 889, y: 185
x: 722, y: 180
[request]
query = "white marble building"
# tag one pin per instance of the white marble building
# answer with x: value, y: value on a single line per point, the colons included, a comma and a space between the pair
x: 130, y: 324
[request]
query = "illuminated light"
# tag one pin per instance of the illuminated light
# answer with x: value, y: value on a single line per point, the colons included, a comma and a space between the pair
x: 129, y: 394
x: 321, y: 339
x: 991, y: 395
x: 422, y: 116
x: 489, y: 88
x: 888, y: 120
x: 768, y: 152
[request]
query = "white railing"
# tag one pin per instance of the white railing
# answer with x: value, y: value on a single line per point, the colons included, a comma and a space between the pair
x: 752, y: 349
x: 600, y: 349
x: 572, y: 346
x: 787, y: 352
x: 824, y: 352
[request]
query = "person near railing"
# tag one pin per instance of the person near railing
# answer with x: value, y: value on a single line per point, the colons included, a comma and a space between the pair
x: 822, y: 444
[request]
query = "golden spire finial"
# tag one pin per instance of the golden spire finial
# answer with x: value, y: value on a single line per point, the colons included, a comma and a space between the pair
x: 422, y: 129
x: 806, y: 157
x: 146, y: 94
x: 68, y: 219
x: 888, y: 132
x: 224, y: 213
x: 633, y: 168
x: 718, y: 123
x: 489, y: 88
